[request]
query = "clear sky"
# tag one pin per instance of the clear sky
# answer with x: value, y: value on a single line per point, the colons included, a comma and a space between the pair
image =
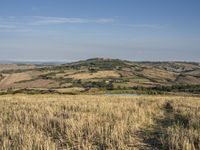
x: 68, y: 30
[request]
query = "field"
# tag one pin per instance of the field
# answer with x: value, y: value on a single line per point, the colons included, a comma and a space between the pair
x: 100, y: 74
x: 99, y: 122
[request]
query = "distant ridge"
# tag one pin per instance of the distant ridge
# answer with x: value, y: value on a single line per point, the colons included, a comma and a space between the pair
x: 31, y: 62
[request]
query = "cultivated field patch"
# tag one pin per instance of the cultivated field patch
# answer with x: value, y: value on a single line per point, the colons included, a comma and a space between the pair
x: 99, y: 74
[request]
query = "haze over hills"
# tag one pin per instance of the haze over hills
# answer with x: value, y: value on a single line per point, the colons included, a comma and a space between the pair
x: 33, y: 62
x: 101, y: 74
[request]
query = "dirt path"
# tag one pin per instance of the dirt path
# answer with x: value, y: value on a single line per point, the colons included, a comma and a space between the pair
x: 152, y: 136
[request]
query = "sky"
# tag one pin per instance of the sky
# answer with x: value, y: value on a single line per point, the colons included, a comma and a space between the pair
x: 70, y: 30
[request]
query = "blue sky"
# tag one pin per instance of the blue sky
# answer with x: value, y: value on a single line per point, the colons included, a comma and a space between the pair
x: 68, y: 30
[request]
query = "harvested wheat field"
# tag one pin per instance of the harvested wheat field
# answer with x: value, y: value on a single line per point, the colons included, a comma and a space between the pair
x: 99, y: 122
x: 99, y: 74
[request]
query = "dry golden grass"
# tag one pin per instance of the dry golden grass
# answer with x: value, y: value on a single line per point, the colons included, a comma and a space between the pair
x: 184, y: 129
x: 70, y: 90
x: 99, y: 74
x: 99, y: 122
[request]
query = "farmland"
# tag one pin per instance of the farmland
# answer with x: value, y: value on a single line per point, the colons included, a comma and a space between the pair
x: 99, y: 122
x: 100, y: 75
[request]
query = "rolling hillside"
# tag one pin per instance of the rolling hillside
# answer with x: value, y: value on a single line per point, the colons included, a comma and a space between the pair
x: 99, y: 75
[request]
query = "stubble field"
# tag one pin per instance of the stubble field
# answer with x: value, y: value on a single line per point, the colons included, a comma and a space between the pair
x: 99, y: 122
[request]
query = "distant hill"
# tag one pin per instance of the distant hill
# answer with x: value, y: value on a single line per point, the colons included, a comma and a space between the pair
x: 102, y: 74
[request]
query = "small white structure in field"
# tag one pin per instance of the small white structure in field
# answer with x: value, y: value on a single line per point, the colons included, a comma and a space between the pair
x: 107, y: 82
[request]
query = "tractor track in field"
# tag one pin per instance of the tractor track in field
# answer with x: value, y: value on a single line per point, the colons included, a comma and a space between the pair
x: 152, y: 137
